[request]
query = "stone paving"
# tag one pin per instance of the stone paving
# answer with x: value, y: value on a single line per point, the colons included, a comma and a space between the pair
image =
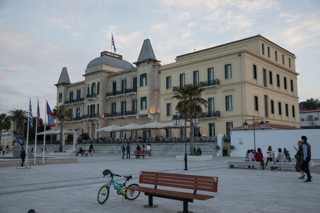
x: 73, y: 187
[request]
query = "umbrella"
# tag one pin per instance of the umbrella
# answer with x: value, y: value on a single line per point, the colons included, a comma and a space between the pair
x: 108, y: 128
x: 152, y: 125
x: 129, y: 127
x: 55, y: 132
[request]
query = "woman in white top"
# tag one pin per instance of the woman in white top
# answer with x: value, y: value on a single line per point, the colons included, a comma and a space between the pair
x: 149, y: 149
x: 270, y: 154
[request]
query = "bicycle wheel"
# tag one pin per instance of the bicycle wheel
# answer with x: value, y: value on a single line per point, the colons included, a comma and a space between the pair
x: 103, y: 194
x: 132, y: 194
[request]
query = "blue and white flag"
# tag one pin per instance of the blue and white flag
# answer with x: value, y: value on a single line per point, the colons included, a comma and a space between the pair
x: 78, y: 112
x: 30, y: 115
x: 114, y: 46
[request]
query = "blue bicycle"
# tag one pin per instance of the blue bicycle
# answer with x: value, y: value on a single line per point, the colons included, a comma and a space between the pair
x: 121, y: 189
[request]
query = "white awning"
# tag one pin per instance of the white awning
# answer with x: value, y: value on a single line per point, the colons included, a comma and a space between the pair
x: 108, y: 128
x: 129, y: 127
x: 55, y: 132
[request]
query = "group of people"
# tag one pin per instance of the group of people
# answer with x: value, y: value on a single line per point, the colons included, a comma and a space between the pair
x: 125, y: 149
x: 303, y: 157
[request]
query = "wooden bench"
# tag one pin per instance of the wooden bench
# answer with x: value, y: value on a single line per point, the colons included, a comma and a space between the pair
x: 180, y: 181
x: 141, y: 153
x: 245, y: 164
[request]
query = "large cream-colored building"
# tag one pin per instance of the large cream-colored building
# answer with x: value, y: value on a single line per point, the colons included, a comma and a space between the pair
x: 242, y: 79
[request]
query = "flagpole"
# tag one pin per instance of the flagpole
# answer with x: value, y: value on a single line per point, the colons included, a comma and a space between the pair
x: 28, y: 131
x: 44, y: 136
x: 35, y: 139
x: 111, y: 43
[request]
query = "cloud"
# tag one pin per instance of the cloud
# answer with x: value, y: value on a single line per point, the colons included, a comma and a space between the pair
x: 58, y: 23
x: 12, y: 69
x: 3, y: 77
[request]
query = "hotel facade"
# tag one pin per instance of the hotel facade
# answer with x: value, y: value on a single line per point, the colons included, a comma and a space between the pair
x: 242, y: 79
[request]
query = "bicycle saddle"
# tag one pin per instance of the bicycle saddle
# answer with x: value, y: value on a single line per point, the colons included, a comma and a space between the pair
x: 107, y: 172
x: 128, y: 177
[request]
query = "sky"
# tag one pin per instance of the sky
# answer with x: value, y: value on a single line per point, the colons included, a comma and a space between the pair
x: 39, y: 38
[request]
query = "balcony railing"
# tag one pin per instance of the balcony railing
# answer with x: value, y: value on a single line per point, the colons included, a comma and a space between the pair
x: 119, y: 93
x: 215, y: 114
x: 91, y: 116
x: 211, y: 83
x: 120, y: 114
x: 74, y: 101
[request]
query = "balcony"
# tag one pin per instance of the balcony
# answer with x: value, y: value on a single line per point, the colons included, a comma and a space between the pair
x: 121, y: 93
x: 92, y: 96
x: 91, y: 117
x: 120, y: 114
x: 74, y: 101
x: 203, y: 84
x: 131, y: 91
x: 208, y: 115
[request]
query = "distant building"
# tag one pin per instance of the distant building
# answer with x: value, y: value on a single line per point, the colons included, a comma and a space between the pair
x: 310, y: 118
x: 242, y: 79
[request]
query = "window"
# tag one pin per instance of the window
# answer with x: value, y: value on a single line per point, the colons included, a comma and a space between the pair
x: 71, y: 111
x: 278, y: 80
x: 98, y: 88
x: 112, y: 134
x: 212, y: 129
x: 134, y: 83
x: 276, y: 55
x: 169, y: 109
x: 289, y: 62
x: 287, y: 110
x: 113, y: 109
x: 196, y: 131
x: 285, y: 82
x: 268, y: 52
x: 262, y: 49
x: 93, y: 110
x: 78, y: 113
x: 78, y: 94
x: 291, y: 84
x: 60, y: 97
x: 210, y: 75
x: 123, y: 107
x: 256, y: 103
x: 279, y: 106
x: 88, y: 91
x: 71, y: 96
x: 229, y: 126
x: 283, y: 59
x: 272, y: 107
x: 229, y: 103
x: 211, y: 106
x: 254, y: 71
x: 182, y: 133
x: 98, y: 108
x: 264, y: 77
x: 227, y: 70
x: 93, y: 88
x: 195, y: 77
x: 266, y: 111
x: 293, y: 112
x: 114, y: 87
x: 134, y: 106
x: 146, y: 133
x: 168, y: 133
x: 310, y: 118
x: 143, y: 103
x: 143, y: 80
x: 134, y: 134
x: 182, y: 80
x: 124, y: 85
x: 123, y: 134
x: 270, y: 77
x: 168, y: 82
x: 88, y: 110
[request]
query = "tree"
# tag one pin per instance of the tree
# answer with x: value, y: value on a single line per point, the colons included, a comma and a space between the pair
x: 20, y: 117
x: 310, y: 104
x: 62, y: 114
x: 5, y: 123
x: 190, y: 101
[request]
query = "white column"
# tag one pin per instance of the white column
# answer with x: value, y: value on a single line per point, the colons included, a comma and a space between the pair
x: 90, y: 126
x: 74, y: 140
x: 220, y: 144
x: 95, y: 130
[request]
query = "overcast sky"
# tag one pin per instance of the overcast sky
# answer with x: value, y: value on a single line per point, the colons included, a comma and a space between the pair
x: 39, y: 38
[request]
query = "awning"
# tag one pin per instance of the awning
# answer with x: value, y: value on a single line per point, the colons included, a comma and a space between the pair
x: 55, y: 132
x: 108, y: 128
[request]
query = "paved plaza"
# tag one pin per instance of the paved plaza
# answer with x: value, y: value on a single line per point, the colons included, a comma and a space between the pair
x: 73, y: 187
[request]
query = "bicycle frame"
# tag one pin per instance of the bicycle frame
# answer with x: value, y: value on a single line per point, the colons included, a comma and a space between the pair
x: 120, y: 187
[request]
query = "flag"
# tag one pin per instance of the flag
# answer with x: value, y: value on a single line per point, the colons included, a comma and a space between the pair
x: 114, y: 46
x: 50, y: 116
x: 78, y: 112
x: 38, y: 116
x: 30, y: 114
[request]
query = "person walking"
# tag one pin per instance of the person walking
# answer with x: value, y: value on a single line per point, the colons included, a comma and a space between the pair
x: 298, y: 158
x: 123, y: 149
x: 306, y: 157
x: 22, y: 155
x: 270, y: 155
x: 128, y: 151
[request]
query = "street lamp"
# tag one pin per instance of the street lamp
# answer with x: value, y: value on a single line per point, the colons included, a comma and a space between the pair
x: 176, y: 121
x: 246, y: 127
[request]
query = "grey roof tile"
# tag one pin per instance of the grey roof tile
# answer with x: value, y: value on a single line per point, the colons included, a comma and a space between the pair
x: 146, y: 51
x: 109, y: 61
x: 64, y: 77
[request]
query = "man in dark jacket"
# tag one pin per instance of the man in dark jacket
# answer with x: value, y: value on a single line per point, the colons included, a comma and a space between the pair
x: 306, y: 157
x: 128, y: 151
x: 123, y: 149
x: 22, y: 155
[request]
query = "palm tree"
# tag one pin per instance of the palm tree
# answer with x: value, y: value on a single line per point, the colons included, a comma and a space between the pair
x: 20, y: 117
x: 5, y: 123
x: 62, y: 114
x: 190, y: 102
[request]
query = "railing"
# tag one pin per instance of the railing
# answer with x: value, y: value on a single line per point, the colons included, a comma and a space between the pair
x: 211, y: 83
x: 74, y: 101
x: 124, y: 92
x: 226, y: 138
x: 120, y: 114
x: 91, y: 116
x: 93, y: 95
x: 133, y: 90
x: 215, y: 114
x: 113, y: 114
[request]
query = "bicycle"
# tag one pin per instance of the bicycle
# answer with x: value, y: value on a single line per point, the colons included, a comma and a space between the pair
x: 121, y: 189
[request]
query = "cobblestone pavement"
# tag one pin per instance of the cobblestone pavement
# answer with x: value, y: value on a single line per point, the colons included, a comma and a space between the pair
x: 74, y: 187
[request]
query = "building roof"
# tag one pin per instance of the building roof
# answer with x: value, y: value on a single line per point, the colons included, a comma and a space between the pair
x: 146, y: 51
x: 64, y: 77
x: 268, y: 126
x: 109, y: 61
x: 308, y: 111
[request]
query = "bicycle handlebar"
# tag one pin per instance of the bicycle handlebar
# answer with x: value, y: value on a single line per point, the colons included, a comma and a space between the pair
x: 117, y: 175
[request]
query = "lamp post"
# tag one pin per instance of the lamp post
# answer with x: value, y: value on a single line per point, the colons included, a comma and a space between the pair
x: 246, y: 127
x: 176, y: 122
